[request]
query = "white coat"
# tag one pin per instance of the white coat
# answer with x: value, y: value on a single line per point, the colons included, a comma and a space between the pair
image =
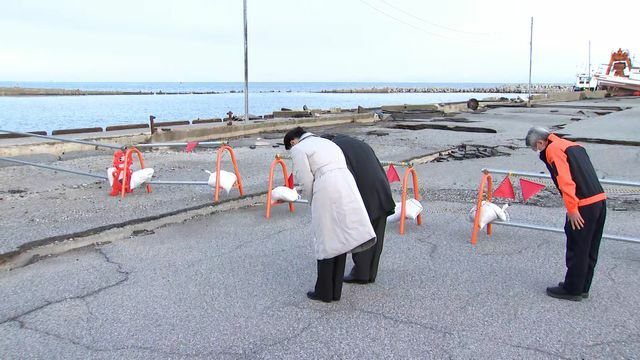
x: 339, y: 219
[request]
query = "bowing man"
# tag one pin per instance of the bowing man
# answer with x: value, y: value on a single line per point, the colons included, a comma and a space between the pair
x: 376, y: 194
x: 338, y: 217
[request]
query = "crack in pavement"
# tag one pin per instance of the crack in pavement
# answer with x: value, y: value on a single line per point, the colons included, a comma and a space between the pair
x: 534, y: 349
x: 266, y: 237
x: 263, y: 347
x: 119, y: 269
x: 433, y: 247
x: 24, y: 326
x: 380, y: 314
x: 406, y: 322
x: 629, y: 340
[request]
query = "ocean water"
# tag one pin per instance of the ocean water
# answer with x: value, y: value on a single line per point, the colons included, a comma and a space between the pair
x: 59, y: 112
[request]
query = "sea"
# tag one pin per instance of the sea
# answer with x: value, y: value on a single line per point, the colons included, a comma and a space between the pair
x: 37, y: 113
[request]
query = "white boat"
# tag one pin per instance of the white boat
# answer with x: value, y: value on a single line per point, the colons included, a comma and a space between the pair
x: 620, y: 76
x: 618, y: 83
x: 585, y: 82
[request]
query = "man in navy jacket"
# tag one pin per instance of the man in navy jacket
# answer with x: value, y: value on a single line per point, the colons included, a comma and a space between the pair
x: 373, y: 185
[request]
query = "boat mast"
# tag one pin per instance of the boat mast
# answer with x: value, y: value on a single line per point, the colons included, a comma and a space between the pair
x: 589, y: 58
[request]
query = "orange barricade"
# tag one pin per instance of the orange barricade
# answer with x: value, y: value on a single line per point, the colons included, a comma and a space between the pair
x: 127, y: 165
x: 275, y: 162
x: 486, y: 179
x: 416, y: 195
x: 238, y: 183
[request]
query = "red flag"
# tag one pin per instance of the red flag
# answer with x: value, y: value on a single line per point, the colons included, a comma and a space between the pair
x: 290, y: 183
x: 392, y: 174
x: 505, y: 189
x: 530, y: 188
x: 191, y: 145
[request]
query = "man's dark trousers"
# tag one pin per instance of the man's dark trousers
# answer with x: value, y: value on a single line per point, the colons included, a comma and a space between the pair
x: 366, y: 262
x: 582, y: 248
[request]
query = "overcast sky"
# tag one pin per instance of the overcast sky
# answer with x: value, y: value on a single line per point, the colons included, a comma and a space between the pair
x: 309, y: 40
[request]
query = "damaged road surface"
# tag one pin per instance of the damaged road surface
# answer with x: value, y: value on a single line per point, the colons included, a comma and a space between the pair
x: 181, y: 292
x: 169, y: 275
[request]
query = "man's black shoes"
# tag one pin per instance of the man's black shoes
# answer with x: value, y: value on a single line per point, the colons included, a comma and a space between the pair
x: 312, y: 295
x: 585, y: 295
x: 352, y: 280
x: 560, y: 293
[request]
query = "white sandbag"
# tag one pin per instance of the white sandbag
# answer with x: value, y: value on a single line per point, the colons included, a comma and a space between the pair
x: 414, y: 208
x: 140, y: 177
x: 283, y: 193
x: 489, y: 212
x: 110, y: 172
x: 227, y: 179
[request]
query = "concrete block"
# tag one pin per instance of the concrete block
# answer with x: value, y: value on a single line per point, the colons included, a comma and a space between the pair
x: 291, y: 114
x: 126, y: 127
x: 171, y: 123
x: 76, y: 131
x: 206, y: 121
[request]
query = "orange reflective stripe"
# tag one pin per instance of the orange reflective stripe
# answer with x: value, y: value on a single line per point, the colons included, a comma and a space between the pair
x: 591, y: 200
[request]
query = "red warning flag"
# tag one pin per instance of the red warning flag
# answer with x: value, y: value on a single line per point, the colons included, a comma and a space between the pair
x: 191, y: 145
x: 290, y: 182
x: 530, y: 188
x: 392, y: 174
x: 505, y: 189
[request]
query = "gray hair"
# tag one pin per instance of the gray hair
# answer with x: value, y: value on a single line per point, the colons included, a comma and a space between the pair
x: 534, y: 134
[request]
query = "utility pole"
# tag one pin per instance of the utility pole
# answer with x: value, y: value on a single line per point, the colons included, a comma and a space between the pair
x: 530, y: 59
x: 589, y: 59
x: 246, y: 65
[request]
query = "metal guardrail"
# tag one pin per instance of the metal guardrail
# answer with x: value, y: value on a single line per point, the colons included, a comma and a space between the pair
x: 115, y: 147
x: 487, y: 177
x: 111, y: 146
x: 180, y: 144
x: 177, y: 182
x: 561, y: 231
x: 55, y: 168
x: 545, y: 176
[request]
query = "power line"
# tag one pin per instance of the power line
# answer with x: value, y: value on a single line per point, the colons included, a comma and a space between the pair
x: 404, y: 22
x: 429, y: 22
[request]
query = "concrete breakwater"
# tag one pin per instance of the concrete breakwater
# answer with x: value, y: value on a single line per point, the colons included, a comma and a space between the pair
x: 511, y: 88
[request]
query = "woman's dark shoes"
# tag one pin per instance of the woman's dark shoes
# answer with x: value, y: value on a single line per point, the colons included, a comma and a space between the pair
x: 312, y: 295
x: 585, y: 295
x: 560, y: 293
x: 352, y: 280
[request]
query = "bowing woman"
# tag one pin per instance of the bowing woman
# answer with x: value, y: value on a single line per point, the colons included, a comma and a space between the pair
x: 339, y: 219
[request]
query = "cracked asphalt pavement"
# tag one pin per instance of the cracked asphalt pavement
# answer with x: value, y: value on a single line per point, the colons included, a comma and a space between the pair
x: 210, y: 288
x: 231, y: 284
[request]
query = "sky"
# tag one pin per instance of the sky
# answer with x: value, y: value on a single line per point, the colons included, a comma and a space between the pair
x: 310, y: 40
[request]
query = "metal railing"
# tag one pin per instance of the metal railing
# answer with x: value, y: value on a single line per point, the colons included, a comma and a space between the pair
x: 545, y: 176
x: 57, y: 138
x: 488, y: 180
x: 55, y: 168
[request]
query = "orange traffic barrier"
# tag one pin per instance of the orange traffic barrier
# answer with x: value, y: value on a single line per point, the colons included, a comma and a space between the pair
x: 238, y: 183
x: 275, y: 162
x: 128, y: 162
x: 416, y: 195
x: 486, y: 179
